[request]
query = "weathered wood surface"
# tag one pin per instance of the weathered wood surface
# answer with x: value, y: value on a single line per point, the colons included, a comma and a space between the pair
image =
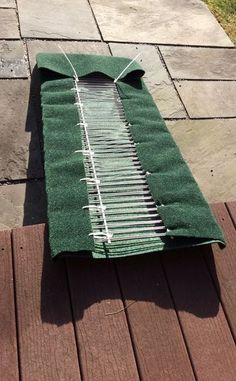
x: 103, y: 336
x: 224, y: 261
x: 8, y: 345
x: 166, y: 317
x: 157, y: 337
x: 205, y: 328
x: 47, y: 343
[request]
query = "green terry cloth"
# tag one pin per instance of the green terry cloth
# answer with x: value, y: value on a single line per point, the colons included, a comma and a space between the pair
x: 182, y: 207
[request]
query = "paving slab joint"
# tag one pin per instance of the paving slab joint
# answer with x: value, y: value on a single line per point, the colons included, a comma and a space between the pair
x: 166, y: 67
x: 18, y: 19
x: 26, y: 56
x: 96, y: 22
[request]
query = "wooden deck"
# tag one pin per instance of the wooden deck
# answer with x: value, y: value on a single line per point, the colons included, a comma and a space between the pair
x: 169, y: 317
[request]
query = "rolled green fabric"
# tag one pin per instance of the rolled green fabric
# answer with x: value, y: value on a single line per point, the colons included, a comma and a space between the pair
x: 181, y: 205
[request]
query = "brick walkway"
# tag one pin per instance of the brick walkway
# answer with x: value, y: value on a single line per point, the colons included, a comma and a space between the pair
x: 190, y: 68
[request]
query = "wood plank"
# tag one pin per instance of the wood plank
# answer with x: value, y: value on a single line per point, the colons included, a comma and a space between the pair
x: 8, y: 345
x: 222, y: 263
x: 232, y: 210
x: 46, y: 335
x: 156, y: 333
x: 203, y: 321
x: 103, y: 337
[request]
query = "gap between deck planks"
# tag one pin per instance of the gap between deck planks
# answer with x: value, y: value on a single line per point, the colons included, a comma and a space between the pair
x: 47, y: 343
x: 178, y: 329
x: 225, y: 261
x: 103, y: 337
x: 202, y: 320
x: 8, y: 345
x: 47, y: 339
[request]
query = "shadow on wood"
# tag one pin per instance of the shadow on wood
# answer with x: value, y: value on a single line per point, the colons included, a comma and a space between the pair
x: 159, y: 279
x: 153, y: 278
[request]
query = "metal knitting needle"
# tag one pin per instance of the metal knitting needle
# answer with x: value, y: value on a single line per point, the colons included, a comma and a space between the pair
x: 127, y: 188
x: 138, y: 229
x: 103, y: 139
x: 144, y: 217
x: 92, y: 85
x: 100, y: 134
x: 122, y: 193
x: 146, y: 200
x: 124, y: 168
x: 129, y: 205
x: 132, y: 211
x: 115, y: 150
x: 116, y: 174
x: 121, y: 202
x: 134, y: 176
x: 124, y: 183
x: 135, y: 237
x: 111, y: 145
x: 133, y: 223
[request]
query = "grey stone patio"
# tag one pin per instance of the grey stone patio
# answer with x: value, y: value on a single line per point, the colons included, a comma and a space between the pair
x: 13, y: 60
x: 9, y: 24
x: 8, y: 4
x: 58, y: 19
x: 199, y: 63
x: 209, y: 146
x: 194, y: 86
x: 19, y: 139
x: 179, y: 22
x: 208, y: 99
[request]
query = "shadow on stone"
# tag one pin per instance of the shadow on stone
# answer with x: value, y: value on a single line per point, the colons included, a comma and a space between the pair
x: 35, y: 195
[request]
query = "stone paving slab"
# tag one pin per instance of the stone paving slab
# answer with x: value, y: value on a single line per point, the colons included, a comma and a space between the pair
x: 9, y: 24
x: 156, y: 77
x: 179, y: 22
x: 22, y: 204
x: 19, y: 144
x: 209, y: 147
x: 200, y: 63
x: 7, y: 4
x: 88, y: 47
x: 68, y: 19
x: 208, y: 99
x: 12, y: 60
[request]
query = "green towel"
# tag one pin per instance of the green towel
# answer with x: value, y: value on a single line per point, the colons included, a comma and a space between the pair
x: 182, y: 207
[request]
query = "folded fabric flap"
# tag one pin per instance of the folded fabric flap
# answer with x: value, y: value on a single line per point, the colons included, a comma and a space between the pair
x: 69, y: 223
x: 182, y: 206
x: 85, y: 64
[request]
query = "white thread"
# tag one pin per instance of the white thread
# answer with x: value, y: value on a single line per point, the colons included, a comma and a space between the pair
x: 85, y: 152
x: 90, y: 180
x: 74, y: 71
x: 123, y: 71
x: 82, y: 124
x: 79, y: 103
x: 93, y: 166
x: 101, y: 235
x: 98, y: 207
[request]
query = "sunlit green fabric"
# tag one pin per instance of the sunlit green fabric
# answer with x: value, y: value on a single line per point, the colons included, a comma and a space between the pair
x: 181, y: 205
